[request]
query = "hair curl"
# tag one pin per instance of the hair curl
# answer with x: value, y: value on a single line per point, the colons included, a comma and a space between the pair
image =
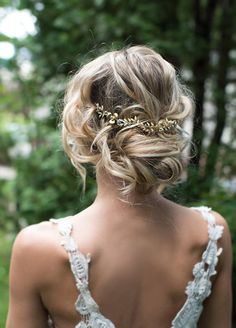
x: 133, y: 81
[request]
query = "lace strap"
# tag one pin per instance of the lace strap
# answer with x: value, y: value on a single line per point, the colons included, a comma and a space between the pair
x: 199, y: 288
x: 79, y: 263
x: 210, y: 255
x: 79, y: 267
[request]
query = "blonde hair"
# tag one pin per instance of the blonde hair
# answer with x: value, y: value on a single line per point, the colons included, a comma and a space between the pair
x: 133, y: 81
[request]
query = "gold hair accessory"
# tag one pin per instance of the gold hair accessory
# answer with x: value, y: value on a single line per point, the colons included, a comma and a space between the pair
x: 148, y: 127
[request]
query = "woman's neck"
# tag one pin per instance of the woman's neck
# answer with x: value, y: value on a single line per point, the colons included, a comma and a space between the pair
x: 108, y: 191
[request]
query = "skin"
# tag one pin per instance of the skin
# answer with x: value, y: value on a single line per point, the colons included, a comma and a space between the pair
x: 142, y: 256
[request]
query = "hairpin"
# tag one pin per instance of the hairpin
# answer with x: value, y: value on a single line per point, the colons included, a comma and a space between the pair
x: 148, y: 127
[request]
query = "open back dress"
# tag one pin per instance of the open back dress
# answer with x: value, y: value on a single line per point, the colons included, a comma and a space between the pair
x: 197, y: 290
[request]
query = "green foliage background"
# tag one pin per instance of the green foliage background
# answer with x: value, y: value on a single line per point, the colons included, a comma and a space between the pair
x: 198, y: 37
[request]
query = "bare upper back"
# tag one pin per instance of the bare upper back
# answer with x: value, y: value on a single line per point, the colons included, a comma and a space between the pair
x: 141, y: 262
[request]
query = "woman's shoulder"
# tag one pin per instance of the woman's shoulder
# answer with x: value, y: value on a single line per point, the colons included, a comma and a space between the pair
x: 209, y: 215
x: 37, y: 245
x: 194, y: 222
x: 200, y: 213
x: 40, y: 233
x: 202, y: 219
x: 35, y: 235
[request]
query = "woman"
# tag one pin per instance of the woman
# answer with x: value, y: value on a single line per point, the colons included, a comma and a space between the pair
x: 151, y: 262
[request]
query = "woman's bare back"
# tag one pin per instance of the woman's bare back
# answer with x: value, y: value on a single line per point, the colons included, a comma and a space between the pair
x: 141, y: 261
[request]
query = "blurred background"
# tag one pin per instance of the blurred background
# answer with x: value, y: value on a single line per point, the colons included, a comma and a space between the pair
x: 42, y: 43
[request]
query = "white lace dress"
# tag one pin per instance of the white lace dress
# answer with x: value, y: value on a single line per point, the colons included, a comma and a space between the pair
x: 197, y: 290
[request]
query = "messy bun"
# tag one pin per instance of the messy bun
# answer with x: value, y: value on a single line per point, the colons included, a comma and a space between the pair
x: 133, y: 82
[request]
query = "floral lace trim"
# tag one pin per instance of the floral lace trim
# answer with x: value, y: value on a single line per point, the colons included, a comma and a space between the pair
x: 85, y: 304
x: 199, y: 288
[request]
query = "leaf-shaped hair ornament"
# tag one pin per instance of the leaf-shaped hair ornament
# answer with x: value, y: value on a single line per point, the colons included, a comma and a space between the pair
x: 148, y: 127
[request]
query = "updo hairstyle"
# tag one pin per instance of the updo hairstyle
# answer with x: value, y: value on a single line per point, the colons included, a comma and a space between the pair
x: 135, y: 81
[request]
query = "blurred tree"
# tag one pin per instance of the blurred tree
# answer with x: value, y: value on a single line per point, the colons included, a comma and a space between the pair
x: 46, y: 186
x: 225, y: 45
x: 70, y: 31
x: 203, y: 16
x: 189, y: 34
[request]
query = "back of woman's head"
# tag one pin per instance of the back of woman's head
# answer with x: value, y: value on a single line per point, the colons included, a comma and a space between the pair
x: 114, y: 108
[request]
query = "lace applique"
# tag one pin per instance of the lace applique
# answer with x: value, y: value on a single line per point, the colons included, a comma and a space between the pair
x: 85, y: 304
x: 199, y: 288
